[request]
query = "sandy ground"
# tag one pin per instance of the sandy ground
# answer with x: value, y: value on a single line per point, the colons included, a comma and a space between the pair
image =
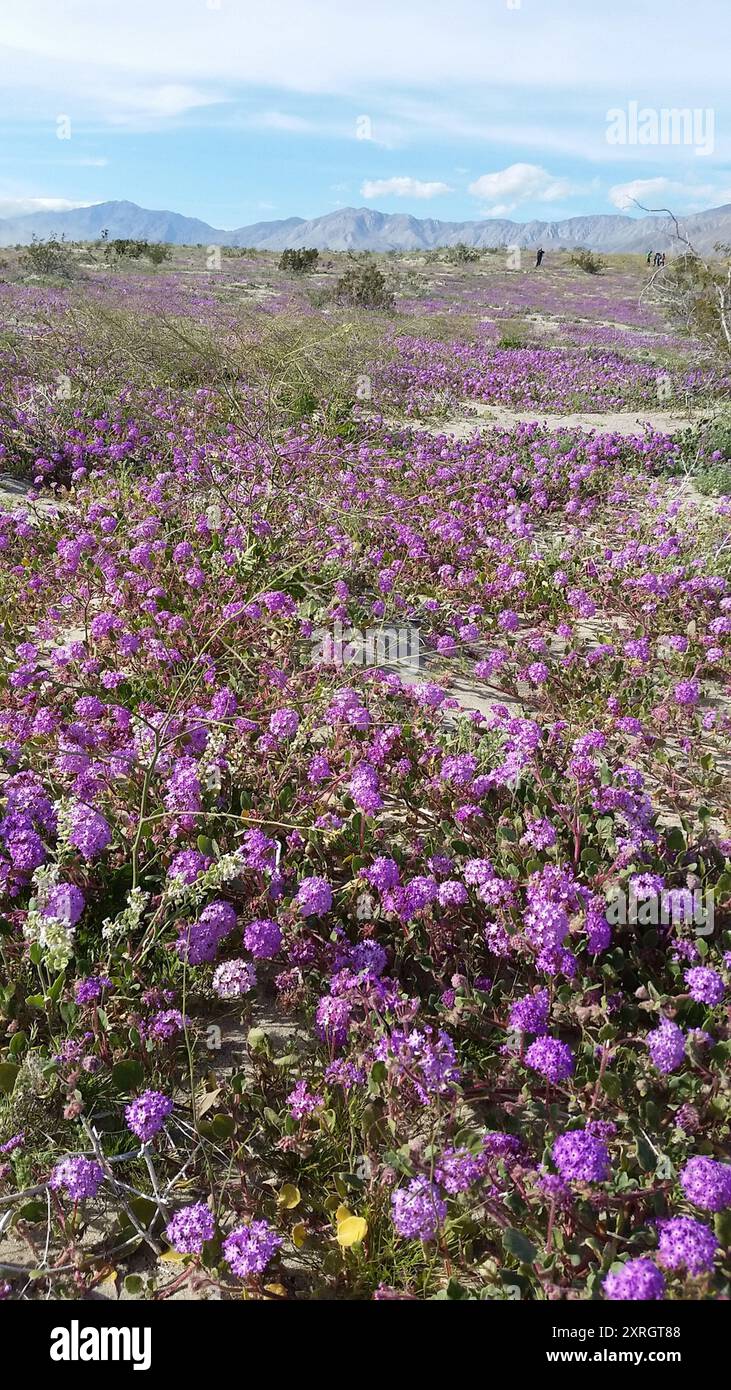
x: 625, y: 422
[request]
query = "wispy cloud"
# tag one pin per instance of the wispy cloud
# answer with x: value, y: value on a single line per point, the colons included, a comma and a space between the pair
x: 18, y: 207
x: 403, y: 187
x: 162, y: 102
x: 671, y: 193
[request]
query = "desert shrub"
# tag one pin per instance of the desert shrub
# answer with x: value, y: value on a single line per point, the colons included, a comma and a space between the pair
x: 132, y: 249
x: 49, y: 256
x: 299, y: 262
x: 696, y: 294
x: 364, y: 286
x: 588, y: 261
x: 463, y: 254
x: 157, y: 252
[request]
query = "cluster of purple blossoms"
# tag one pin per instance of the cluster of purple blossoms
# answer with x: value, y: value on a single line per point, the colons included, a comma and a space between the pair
x: 506, y: 1148
x: 249, y: 1249
x: 420, y: 1059
x: 81, y: 1177
x: 686, y: 1244
x: 65, y: 902
x: 188, y: 864
x: 333, y: 1020
x: 189, y: 1229
x: 636, y: 1280
x: 259, y: 851
x: 199, y: 941
x: 29, y: 816
x: 16, y: 1141
x: 414, y: 897
x: 418, y: 1211
x: 166, y: 1024
x: 687, y: 692
x: 147, y: 1114
x: 88, y: 991
x: 457, y: 1170
x: 452, y: 893
x: 365, y: 789
x: 367, y: 958
x: 284, y: 723
x: 89, y: 832
x: 705, y: 985
x: 263, y: 938
x: 707, y: 1183
x: 551, y: 1058
x: 581, y: 1157
x: 530, y: 1014
x: 303, y: 1102
x: 314, y: 897
x: 384, y: 874
x: 666, y: 1046
x: 184, y: 793
x: 233, y: 978
x: 539, y: 834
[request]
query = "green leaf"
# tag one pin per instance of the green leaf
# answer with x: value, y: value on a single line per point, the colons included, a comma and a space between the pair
x: 56, y: 987
x: 223, y: 1126
x: 36, y: 1210
x: 515, y: 1243
x: 722, y: 1226
x: 127, y: 1075
x: 8, y: 1077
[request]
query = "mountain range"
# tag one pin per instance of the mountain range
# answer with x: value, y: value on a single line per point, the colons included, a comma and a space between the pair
x: 364, y: 229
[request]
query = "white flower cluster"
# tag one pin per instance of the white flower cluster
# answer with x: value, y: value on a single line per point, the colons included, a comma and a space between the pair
x: 63, y: 824
x: 54, y: 936
x: 128, y: 920
x: 225, y: 870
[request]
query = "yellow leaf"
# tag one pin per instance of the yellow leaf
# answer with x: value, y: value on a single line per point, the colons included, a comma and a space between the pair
x: 352, y: 1230
x: 278, y: 1290
x: 299, y: 1235
x: 342, y: 1213
x: 172, y: 1257
x: 289, y: 1197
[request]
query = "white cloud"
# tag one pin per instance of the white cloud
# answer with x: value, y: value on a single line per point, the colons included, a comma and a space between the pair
x: 325, y: 45
x: 402, y: 188
x: 506, y: 189
x: 18, y: 207
x: 281, y: 120
x: 670, y: 193
x: 160, y: 103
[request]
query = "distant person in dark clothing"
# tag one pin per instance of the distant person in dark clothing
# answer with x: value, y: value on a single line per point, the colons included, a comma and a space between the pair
x: 649, y: 257
x: 539, y: 256
x: 658, y: 259
x: 662, y: 259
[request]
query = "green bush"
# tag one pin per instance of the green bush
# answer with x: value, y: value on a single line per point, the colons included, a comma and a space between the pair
x: 299, y: 262
x: 588, y: 261
x: 49, y: 256
x: 364, y: 286
x: 133, y: 249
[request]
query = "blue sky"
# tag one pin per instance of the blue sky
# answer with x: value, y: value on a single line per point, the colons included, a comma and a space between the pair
x: 240, y: 111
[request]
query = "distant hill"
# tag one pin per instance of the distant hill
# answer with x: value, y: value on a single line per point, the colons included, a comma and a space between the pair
x: 364, y: 229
